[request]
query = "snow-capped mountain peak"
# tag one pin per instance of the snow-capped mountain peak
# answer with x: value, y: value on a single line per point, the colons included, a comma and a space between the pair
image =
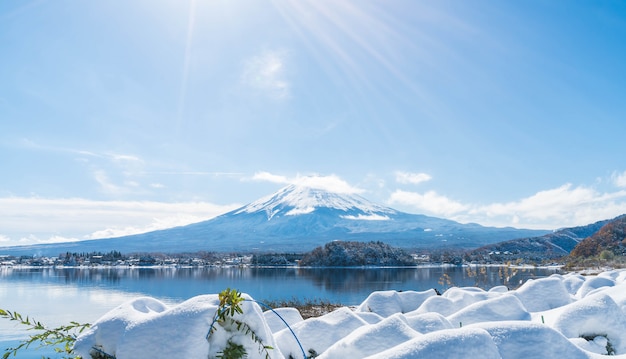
x: 297, y: 200
x: 297, y: 219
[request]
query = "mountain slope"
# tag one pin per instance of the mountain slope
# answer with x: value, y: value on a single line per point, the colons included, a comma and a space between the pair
x: 552, y: 245
x: 299, y: 219
x: 612, y: 236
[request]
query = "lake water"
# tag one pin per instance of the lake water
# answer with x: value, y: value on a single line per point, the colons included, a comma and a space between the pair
x: 56, y: 296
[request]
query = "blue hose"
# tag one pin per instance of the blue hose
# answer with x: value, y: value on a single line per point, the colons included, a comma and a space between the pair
x: 284, y: 321
x: 265, y: 306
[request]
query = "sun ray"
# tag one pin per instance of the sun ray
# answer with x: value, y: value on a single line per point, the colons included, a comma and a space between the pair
x: 186, y: 66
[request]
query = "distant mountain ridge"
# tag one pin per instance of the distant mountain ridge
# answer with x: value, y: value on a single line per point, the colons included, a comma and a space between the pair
x: 552, y: 245
x: 297, y: 219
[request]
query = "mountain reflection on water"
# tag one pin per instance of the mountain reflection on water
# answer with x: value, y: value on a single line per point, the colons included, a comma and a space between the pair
x: 276, y: 283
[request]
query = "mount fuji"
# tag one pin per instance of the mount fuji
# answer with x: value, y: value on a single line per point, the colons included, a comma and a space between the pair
x: 297, y: 219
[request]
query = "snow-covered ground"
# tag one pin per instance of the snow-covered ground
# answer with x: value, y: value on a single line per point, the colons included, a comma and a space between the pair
x: 561, y: 316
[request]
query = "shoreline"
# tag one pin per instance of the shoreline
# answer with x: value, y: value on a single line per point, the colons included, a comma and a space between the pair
x: 434, y: 265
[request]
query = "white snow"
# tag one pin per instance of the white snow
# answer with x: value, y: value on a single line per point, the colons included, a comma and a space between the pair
x: 319, y: 333
x: 562, y: 316
x: 290, y: 316
x: 367, y: 217
x: 296, y: 200
x: 389, y: 302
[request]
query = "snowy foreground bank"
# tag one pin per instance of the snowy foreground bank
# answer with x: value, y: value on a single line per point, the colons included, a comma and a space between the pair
x: 561, y: 316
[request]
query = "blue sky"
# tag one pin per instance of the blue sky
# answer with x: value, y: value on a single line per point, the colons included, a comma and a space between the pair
x: 118, y: 117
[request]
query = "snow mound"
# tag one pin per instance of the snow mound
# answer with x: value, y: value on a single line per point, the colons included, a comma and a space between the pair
x: 108, y: 333
x: 317, y: 334
x: 290, y: 315
x: 573, y: 282
x: 428, y: 322
x: 438, y: 304
x: 449, y: 344
x: 506, y: 307
x: 543, y: 294
x: 593, y: 284
x: 499, y: 289
x: 146, y: 328
x: 386, y: 303
x: 465, y: 295
x: 594, y: 316
x: 454, y: 299
x: 371, y: 318
x: 523, y: 340
x: 372, y: 339
x: 562, y: 316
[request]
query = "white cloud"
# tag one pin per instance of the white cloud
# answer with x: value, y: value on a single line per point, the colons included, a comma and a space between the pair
x: 39, y: 220
x: 430, y: 202
x: 266, y: 73
x: 412, y: 178
x: 269, y: 177
x: 331, y: 183
x: 174, y: 220
x: 619, y: 179
x: 564, y: 206
x: 31, y: 239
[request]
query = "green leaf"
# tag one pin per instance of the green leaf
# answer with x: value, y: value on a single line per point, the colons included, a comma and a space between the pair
x: 63, y: 335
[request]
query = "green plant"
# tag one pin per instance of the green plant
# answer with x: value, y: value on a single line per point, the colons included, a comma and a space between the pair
x: 607, y: 255
x: 230, y: 305
x: 232, y: 350
x: 64, y: 335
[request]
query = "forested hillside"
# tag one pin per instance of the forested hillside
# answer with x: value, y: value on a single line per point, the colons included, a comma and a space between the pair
x: 348, y: 254
x: 611, y: 237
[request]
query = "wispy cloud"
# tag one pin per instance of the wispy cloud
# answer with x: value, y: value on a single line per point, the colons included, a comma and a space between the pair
x: 109, y: 156
x: 43, y: 220
x: 106, y: 185
x: 619, y: 179
x: 115, y: 173
x: 195, y: 173
x: 331, y: 183
x: 124, y: 158
x: 266, y: 73
x: 412, y: 178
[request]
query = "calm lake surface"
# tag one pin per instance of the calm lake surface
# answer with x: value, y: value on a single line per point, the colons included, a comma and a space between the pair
x: 55, y: 296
